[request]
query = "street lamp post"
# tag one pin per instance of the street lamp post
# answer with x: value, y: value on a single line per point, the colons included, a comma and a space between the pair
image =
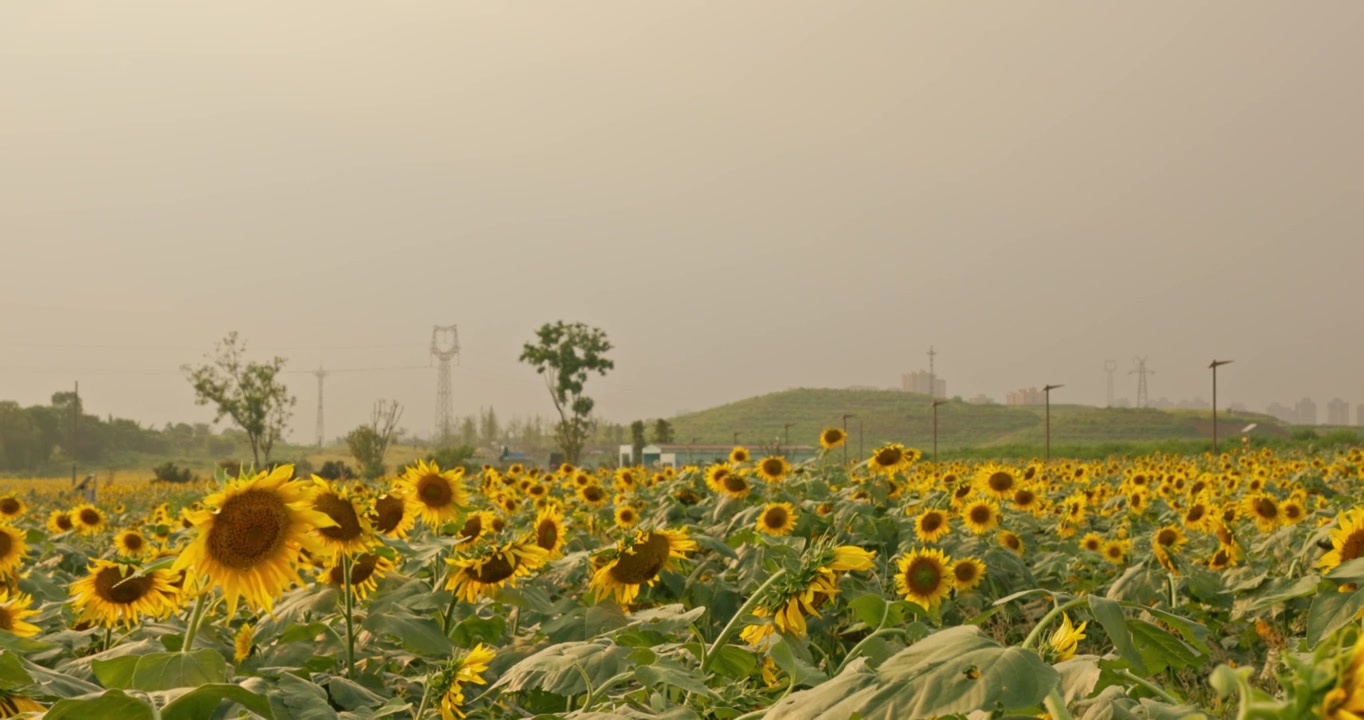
x: 936, y: 403
x: 845, y: 437
x: 1215, y: 364
x: 1046, y: 389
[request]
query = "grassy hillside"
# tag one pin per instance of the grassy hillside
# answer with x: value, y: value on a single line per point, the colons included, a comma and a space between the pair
x: 887, y: 415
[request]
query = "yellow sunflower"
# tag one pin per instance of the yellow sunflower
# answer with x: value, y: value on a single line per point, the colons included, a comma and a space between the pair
x: 12, y: 551
x: 12, y: 508
x: 997, y: 481
x: 59, y: 522
x: 626, y: 516
x: 832, y: 438
x: 549, y: 532
x: 739, y: 455
x: 925, y: 577
x: 1115, y: 551
x: 1347, y: 539
x: 11, y: 705
x: 365, y: 572
x: 350, y: 531
x: 113, y: 594
x: 1264, y: 510
x: 132, y: 545
x: 967, y: 573
x: 436, y: 497
x: 243, y: 642
x: 392, y: 515
x: 777, y: 518
x: 14, y: 611
x: 892, y: 458
x: 593, y: 495
x: 846, y: 558
x: 773, y: 468
x: 638, y: 561
x: 476, y: 525
x: 1061, y: 646
x: 980, y: 516
x: 249, y: 537
x: 1092, y: 542
x: 88, y: 519
x: 1169, y: 537
x: 468, y: 671
x: 727, y: 481
x: 1010, y: 540
x: 479, y: 574
x: 931, y: 525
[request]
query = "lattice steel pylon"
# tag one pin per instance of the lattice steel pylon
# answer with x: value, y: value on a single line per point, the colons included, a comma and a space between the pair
x: 444, y: 348
x: 1141, y: 372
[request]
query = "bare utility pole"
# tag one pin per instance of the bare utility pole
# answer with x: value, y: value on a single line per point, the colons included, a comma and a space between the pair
x: 1109, y: 367
x: 932, y: 374
x: 321, y: 375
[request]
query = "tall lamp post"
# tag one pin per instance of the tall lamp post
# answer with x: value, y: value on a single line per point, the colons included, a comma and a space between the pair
x: 1046, y: 389
x: 935, y: 405
x: 845, y: 437
x: 1215, y: 364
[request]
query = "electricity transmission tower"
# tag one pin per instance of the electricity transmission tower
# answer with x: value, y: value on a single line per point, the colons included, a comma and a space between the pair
x: 444, y: 347
x: 1109, y: 367
x: 321, y: 375
x: 932, y: 375
x: 1141, y: 372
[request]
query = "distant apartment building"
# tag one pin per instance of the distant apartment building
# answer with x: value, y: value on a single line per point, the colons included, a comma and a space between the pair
x: 923, y: 383
x: 1359, y: 415
x: 1306, y: 410
x: 1337, y: 412
x: 1282, y: 412
x: 1026, y: 396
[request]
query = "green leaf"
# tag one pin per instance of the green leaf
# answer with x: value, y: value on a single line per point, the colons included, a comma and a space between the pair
x: 298, y: 699
x: 801, y: 672
x: 1280, y: 590
x: 1330, y: 612
x: 161, y: 671
x: 671, y: 675
x: 868, y: 609
x: 1348, y: 571
x: 955, y: 671
x: 203, y: 702
x: 110, y: 705
x: 734, y: 662
x: 1110, y: 615
x: 1160, y: 649
x: 12, y: 672
x: 350, y: 695
x: 1079, y: 676
x: 665, y: 619
x: 553, y: 669
x: 416, y: 634
x: 474, y: 629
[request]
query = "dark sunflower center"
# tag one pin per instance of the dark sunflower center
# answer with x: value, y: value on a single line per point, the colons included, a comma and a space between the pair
x: 547, y: 534
x: 1195, y: 513
x: 592, y: 493
x: 493, y: 570
x: 644, y: 563
x: 980, y: 514
x: 775, y: 517
x: 133, y: 543
x: 962, y: 491
x: 627, y: 516
x: 248, y: 529
x: 9, y: 506
x: 1012, y: 542
x: 833, y: 436
x: 1114, y: 551
x: 740, y: 456
x: 89, y: 516
x: 473, y: 527
x: 6, y: 544
x: 342, y: 512
x: 1265, y: 508
x: 1221, y: 558
x: 360, y: 571
x: 1092, y: 544
x: 931, y: 521
x: 886, y: 457
x: 1349, y: 550
x: 924, y: 576
x: 6, y: 619
x: 1024, y: 497
x: 112, y: 587
x: 435, y: 491
x: 1167, y: 537
x: 1292, y: 512
x: 734, y: 482
x: 388, y: 513
x: 965, y: 572
x: 64, y: 521
x: 772, y: 466
x: 1001, y: 481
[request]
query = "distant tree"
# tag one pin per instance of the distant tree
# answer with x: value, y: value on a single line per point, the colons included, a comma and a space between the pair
x: 335, y: 470
x: 663, y: 431
x: 637, y: 441
x: 565, y: 354
x: 249, y: 393
x: 168, y: 472
x: 453, y: 457
x: 468, y: 432
x: 489, y: 430
x: 369, y: 443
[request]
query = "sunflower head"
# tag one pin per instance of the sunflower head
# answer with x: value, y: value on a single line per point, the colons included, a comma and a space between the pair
x: 832, y: 438
x: 967, y: 573
x: 980, y: 516
x: 549, y: 532
x: 777, y: 518
x: 12, y: 507
x: 773, y: 468
x: 392, y: 515
x: 593, y: 495
x: 435, y: 496
x: 892, y: 458
x: 931, y: 525
x: 132, y: 544
x: 365, y: 571
x: 626, y: 516
x: 350, y: 530
x: 14, y: 611
x: 481, y: 573
x: 925, y: 577
x: 638, y: 561
x: 88, y: 519
x: 114, y: 594
x: 12, y: 551
x: 739, y: 455
x: 1061, y: 646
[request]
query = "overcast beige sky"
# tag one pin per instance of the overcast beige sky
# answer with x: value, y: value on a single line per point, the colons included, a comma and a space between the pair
x: 746, y: 196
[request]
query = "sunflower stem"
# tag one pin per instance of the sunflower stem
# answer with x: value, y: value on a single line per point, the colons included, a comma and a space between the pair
x: 108, y: 638
x: 196, y: 616
x: 1155, y: 689
x: 346, y: 565
x: 450, y: 612
x: 748, y: 606
x: 857, y: 649
x: 1056, y: 706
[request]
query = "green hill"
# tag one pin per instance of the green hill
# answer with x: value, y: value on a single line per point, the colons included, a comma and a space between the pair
x: 888, y: 415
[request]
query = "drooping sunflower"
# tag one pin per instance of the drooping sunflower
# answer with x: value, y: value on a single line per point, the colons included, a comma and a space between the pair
x: 925, y: 577
x: 350, y: 531
x: 1347, y: 539
x: 11, y: 705
x: 1061, y: 646
x: 777, y: 518
x: 249, y: 537
x: 113, y: 594
x: 626, y: 516
x: 1169, y: 537
x: 549, y: 532
x: 12, y: 508
x: 132, y: 544
x: 481, y: 573
x: 892, y: 458
x: 14, y: 611
x: 1264, y: 510
x: 980, y: 516
x: 593, y: 495
x: 727, y: 481
x: 12, y: 551
x: 365, y: 572
x: 773, y: 468
x: 832, y: 438
x: 243, y: 642
x: 392, y: 515
x: 476, y: 525
x: 739, y: 455
x: 1010, y: 540
x: 638, y: 561
x: 88, y: 519
x: 931, y: 525
x: 846, y: 558
x: 59, y: 522
x: 468, y: 670
x: 967, y: 573
x: 436, y: 497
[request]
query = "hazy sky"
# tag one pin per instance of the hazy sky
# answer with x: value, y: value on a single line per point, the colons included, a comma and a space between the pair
x: 747, y: 197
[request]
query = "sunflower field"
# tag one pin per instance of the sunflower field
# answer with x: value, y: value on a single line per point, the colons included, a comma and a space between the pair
x: 1150, y: 587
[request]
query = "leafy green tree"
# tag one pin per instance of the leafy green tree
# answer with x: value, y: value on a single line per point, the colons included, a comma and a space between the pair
x: 663, y: 431
x: 489, y: 429
x: 637, y: 441
x: 250, y: 393
x: 565, y: 354
x: 369, y: 443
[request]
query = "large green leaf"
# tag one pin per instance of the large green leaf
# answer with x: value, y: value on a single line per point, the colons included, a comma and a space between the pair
x: 110, y: 705
x: 1330, y: 612
x: 669, y: 675
x: 1160, y: 649
x: 418, y: 635
x: 297, y: 699
x: 1277, y: 591
x: 955, y: 671
x: 162, y: 671
x: 556, y: 668
x: 1110, y: 615
x: 12, y: 672
x: 203, y: 702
